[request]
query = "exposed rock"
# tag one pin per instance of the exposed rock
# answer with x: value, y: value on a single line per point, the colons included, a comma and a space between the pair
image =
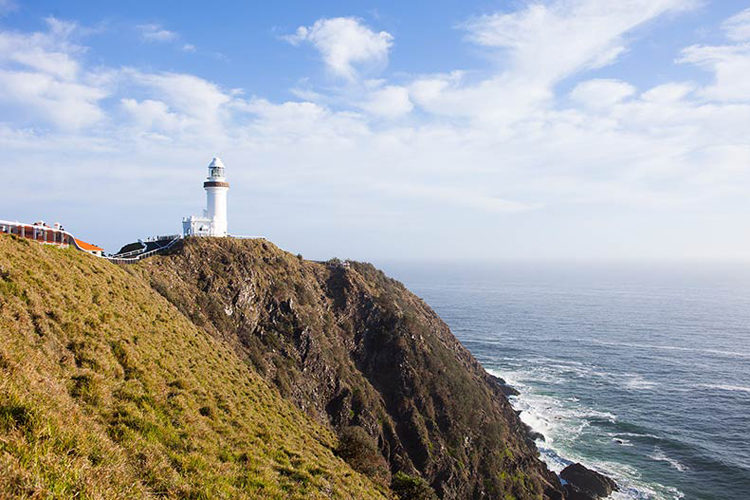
x: 533, y: 435
x: 508, y: 390
x: 354, y: 348
x: 586, y: 484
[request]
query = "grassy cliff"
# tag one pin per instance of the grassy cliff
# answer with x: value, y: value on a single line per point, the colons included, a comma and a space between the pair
x: 108, y: 391
x: 232, y: 369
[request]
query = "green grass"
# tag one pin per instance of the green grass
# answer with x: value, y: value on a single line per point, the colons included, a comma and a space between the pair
x: 108, y: 391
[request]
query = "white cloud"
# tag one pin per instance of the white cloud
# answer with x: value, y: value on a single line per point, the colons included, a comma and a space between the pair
x: 186, y: 94
x: 301, y: 122
x: 41, y: 77
x: 390, y: 101
x: 601, y: 93
x: 539, y: 46
x: 345, y: 44
x: 156, y: 33
x: 730, y: 65
x: 549, y: 42
x: 68, y: 105
x: 150, y: 115
x: 668, y: 92
x: 50, y: 52
x: 737, y: 27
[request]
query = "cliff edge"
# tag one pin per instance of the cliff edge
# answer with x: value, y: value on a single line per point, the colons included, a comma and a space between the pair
x: 359, y: 353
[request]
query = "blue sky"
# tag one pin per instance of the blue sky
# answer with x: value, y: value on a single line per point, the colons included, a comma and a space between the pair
x: 561, y: 129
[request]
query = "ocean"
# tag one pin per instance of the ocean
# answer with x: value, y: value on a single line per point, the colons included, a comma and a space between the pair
x: 639, y: 371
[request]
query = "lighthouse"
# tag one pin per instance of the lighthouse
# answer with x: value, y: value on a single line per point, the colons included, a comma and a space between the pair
x: 216, y: 187
x: 214, y: 219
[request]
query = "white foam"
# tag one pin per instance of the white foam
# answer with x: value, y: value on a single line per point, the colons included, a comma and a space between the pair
x: 621, y: 441
x: 636, y: 434
x: 555, y: 419
x: 723, y: 387
x: 555, y: 372
x: 631, y: 486
x: 637, y: 382
x: 660, y: 456
x: 562, y: 422
x: 731, y: 354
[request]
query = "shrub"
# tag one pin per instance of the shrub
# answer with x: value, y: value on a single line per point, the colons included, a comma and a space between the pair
x: 360, y: 451
x: 408, y: 487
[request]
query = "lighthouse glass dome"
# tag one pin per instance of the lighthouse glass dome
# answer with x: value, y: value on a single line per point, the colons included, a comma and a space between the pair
x: 216, y: 169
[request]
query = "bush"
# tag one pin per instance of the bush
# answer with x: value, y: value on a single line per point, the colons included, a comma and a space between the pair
x: 360, y: 451
x: 408, y: 487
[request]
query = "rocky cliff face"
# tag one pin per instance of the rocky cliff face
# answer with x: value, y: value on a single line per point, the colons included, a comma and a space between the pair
x: 357, y: 351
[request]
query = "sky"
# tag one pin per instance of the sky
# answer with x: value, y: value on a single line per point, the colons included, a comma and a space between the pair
x: 476, y: 130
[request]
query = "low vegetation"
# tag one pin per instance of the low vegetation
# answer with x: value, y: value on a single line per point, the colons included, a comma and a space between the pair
x: 232, y: 369
x: 108, y: 391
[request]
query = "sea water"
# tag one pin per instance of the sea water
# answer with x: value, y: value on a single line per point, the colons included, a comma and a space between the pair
x: 639, y: 371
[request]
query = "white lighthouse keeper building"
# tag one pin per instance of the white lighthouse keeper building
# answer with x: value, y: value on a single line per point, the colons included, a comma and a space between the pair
x: 214, y: 220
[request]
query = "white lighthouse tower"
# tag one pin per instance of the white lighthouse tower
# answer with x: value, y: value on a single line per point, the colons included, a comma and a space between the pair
x: 216, y: 187
x: 214, y: 220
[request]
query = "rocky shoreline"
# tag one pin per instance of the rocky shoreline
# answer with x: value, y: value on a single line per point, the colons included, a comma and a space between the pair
x: 579, y: 482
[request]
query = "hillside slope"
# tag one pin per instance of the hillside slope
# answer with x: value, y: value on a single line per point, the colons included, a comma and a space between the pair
x: 108, y: 391
x: 356, y: 350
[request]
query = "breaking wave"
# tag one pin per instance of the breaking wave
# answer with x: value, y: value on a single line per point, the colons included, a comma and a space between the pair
x: 660, y: 456
x: 566, y: 422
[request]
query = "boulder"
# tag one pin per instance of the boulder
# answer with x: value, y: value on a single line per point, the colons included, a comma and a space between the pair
x: 534, y: 435
x: 503, y: 386
x: 586, y: 484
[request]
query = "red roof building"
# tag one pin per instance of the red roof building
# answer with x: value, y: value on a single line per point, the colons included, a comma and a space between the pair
x: 88, y: 247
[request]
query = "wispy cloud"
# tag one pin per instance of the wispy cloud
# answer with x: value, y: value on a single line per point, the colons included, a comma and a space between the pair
x: 536, y: 48
x: 156, y: 33
x: 737, y: 27
x: 7, y: 6
x: 730, y: 63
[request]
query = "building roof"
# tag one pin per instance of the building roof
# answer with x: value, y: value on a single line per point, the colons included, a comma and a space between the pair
x: 88, y: 246
x: 216, y: 162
